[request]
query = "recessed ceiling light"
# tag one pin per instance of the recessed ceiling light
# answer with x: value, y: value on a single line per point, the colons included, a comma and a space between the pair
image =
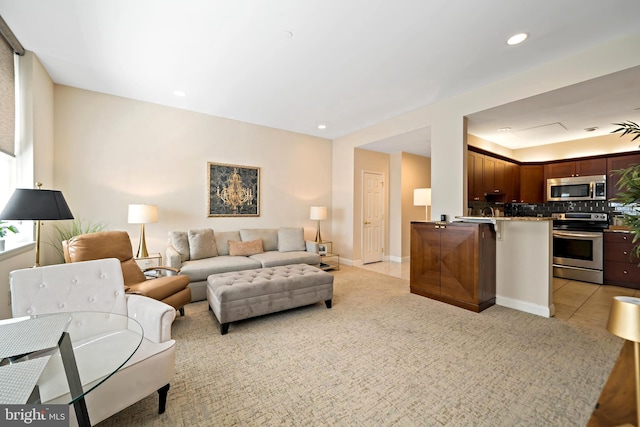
x: 179, y: 93
x: 591, y: 129
x: 517, y: 38
x: 505, y: 129
x: 322, y: 126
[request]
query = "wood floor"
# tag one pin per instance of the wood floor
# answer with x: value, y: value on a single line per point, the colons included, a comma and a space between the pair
x: 577, y: 302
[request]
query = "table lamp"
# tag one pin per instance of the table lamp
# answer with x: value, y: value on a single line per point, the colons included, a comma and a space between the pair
x: 36, y: 205
x: 624, y: 321
x: 318, y: 213
x: 422, y: 197
x: 143, y: 214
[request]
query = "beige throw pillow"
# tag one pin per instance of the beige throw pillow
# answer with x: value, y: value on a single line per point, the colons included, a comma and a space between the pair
x: 202, y: 244
x: 251, y: 247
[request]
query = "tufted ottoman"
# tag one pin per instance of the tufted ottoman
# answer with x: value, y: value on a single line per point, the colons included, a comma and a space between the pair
x: 243, y: 294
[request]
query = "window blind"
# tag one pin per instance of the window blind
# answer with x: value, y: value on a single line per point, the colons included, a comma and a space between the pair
x: 7, y: 99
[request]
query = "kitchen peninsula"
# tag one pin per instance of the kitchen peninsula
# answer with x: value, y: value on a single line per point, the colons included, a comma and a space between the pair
x: 523, y: 261
x: 524, y: 253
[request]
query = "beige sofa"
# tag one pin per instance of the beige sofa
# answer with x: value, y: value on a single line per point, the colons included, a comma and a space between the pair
x: 203, y: 252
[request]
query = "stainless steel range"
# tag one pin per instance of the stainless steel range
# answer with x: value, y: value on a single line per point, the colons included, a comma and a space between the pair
x: 578, y: 245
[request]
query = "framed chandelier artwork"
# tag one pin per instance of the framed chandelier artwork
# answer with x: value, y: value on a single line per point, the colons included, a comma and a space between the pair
x: 234, y: 190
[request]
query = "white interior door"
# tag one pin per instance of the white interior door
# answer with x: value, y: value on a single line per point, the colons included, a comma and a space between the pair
x: 372, y: 217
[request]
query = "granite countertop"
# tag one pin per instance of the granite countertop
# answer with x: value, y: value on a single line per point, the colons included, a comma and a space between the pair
x: 504, y: 218
x: 618, y: 229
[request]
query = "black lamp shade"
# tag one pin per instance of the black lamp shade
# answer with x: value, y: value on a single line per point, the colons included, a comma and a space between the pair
x: 31, y: 204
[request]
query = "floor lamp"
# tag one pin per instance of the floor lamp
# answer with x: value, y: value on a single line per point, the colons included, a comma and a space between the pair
x: 318, y: 213
x: 624, y: 321
x: 143, y: 214
x: 36, y: 205
x: 422, y: 197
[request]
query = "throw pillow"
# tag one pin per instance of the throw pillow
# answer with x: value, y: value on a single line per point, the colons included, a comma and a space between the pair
x: 269, y: 237
x: 291, y: 239
x: 180, y: 242
x: 202, y: 244
x: 223, y: 238
x: 251, y: 247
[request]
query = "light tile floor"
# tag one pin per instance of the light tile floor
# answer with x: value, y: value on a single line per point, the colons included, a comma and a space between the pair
x: 582, y: 303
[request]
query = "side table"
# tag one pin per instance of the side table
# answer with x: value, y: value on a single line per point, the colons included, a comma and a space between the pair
x: 148, y: 263
x: 329, y: 260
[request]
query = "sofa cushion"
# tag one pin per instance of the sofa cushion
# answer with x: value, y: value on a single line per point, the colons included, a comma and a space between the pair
x: 202, y: 244
x: 222, y: 240
x: 291, y: 239
x: 269, y: 237
x: 180, y: 241
x: 251, y: 247
x: 275, y: 258
x: 201, y: 269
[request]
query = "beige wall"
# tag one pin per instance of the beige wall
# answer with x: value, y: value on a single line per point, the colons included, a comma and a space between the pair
x: 448, y: 133
x: 112, y: 151
x: 606, y: 144
x: 367, y: 161
x: 476, y: 141
x: 416, y: 173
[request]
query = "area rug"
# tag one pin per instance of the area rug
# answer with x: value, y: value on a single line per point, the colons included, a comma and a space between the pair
x: 381, y: 357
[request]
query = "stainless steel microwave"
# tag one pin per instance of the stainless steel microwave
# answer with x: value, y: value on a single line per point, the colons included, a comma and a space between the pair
x: 593, y: 187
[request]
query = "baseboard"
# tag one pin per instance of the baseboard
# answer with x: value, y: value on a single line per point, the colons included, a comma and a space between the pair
x: 399, y: 259
x: 527, y: 307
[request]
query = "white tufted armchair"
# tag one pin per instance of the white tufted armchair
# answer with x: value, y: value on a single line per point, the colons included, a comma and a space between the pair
x: 99, y: 286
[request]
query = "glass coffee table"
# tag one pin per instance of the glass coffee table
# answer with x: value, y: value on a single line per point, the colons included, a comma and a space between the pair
x: 59, y: 358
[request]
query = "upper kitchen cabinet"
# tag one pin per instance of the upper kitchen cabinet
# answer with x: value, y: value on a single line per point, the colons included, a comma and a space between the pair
x: 512, y: 182
x: 532, y: 183
x: 475, y: 167
x: 493, y: 176
x: 492, y: 179
x: 576, y: 168
x: 615, y: 163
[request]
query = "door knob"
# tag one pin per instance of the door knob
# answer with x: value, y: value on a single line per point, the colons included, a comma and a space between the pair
x: 367, y: 222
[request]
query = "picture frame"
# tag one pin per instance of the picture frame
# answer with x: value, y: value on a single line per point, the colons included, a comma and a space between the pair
x: 322, y: 249
x: 234, y: 190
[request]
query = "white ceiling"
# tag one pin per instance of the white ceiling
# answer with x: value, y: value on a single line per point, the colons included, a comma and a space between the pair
x: 563, y: 114
x: 292, y: 64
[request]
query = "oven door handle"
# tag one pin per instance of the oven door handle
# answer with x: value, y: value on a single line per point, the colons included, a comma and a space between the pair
x: 578, y: 235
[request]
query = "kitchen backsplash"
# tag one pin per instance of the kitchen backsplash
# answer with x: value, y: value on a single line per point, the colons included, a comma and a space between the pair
x: 545, y: 209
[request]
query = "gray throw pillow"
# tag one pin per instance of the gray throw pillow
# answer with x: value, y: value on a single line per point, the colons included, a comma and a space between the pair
x: 269, y: 237
x: 291, y: 239
x: 180, y: 242
x: 202, y: 244
x: 222, y: 241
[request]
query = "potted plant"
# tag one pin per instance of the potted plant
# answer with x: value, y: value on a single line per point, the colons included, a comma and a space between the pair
x: 72, y: 229
x: 4, y: 229
x: 629, y: 184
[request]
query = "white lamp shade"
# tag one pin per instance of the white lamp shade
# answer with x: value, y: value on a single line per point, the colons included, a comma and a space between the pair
x: 422, y: 197
x: 318, y: 213
x: 143, y: 214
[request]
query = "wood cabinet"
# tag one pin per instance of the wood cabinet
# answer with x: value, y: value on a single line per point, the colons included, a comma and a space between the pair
x: 576, y: 168
x: 493, y: 177
x: 454, y: 263
x: 512, y: 182
x: 620, y: 266
x: 615, y: 163
x: 475, y: 167
x: 532, y: 183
